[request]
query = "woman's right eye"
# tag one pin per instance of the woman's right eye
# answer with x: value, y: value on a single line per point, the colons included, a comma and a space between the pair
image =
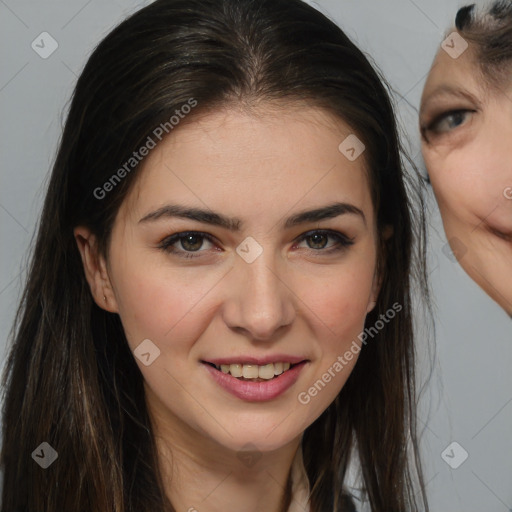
x: 448, y: 121
x: 190, y: 238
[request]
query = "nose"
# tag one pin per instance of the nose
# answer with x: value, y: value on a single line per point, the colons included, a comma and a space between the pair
x: 259, y: 301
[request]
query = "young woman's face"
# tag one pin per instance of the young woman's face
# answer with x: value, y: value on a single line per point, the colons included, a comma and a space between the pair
x: 214, y: 259
x: 467, y: 147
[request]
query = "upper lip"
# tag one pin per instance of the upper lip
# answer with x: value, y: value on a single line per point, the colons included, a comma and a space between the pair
x: 260, y: 361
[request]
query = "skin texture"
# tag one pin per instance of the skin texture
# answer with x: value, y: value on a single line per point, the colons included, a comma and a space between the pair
x: 468, y: 155
x: 261, y: 167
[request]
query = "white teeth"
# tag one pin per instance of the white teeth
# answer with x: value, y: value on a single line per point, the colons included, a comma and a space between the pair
x: 250, y: 371
x: 278, y: 368
x: 266, y: 372
x: 253, y: 371
x: 236, y: 370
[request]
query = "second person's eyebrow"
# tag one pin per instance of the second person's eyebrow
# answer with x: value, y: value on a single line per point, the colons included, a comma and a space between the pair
x: 446, y: 90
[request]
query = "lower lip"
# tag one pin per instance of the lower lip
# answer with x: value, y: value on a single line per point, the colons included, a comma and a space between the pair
x: 256, y: 391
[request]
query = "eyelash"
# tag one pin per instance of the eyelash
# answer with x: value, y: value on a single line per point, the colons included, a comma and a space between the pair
x: 166, y: 244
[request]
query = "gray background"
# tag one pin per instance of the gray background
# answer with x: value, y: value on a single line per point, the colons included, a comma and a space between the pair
x: 469, y: 396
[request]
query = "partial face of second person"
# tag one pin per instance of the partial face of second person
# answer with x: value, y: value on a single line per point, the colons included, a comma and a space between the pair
x: 467, y: 147
x: 181, y: 283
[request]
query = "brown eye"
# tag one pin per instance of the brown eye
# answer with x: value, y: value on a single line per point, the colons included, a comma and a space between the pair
x: 317, y: 241
x: 191, y: 242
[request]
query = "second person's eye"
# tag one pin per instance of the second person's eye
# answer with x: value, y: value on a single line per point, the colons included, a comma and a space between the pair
x: 449, y: 121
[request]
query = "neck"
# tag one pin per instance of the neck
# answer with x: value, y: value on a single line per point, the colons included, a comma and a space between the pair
x: 200, y: 475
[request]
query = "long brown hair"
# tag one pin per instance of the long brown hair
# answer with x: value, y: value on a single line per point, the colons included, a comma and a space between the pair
x: 71, y: 380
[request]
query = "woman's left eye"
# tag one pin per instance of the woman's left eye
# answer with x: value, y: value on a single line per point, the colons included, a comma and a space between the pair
x: 192, y: 241
x: 319, y: 236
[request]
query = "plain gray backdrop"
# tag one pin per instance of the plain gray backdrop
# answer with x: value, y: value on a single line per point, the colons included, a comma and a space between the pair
x: 468, y: 399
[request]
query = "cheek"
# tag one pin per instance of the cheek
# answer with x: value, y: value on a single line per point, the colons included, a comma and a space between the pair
x: 162, y: 304
x: 337, y: 315
x: 174, y: 306
x: 445, y: 178
x: 459, y: 184
x: 469, y: 182
x: 338, y: 304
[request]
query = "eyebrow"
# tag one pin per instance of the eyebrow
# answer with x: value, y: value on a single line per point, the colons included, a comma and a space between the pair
x: 235, y: 224
x: 447, y: 90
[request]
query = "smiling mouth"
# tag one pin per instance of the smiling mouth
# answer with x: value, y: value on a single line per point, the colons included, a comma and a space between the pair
x: 254, y: 372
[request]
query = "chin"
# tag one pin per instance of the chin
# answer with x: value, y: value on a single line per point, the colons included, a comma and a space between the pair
x: 259, y: 438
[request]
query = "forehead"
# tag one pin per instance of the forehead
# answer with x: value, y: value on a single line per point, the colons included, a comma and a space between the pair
x: 461, y: 73
x: 232, y: 158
